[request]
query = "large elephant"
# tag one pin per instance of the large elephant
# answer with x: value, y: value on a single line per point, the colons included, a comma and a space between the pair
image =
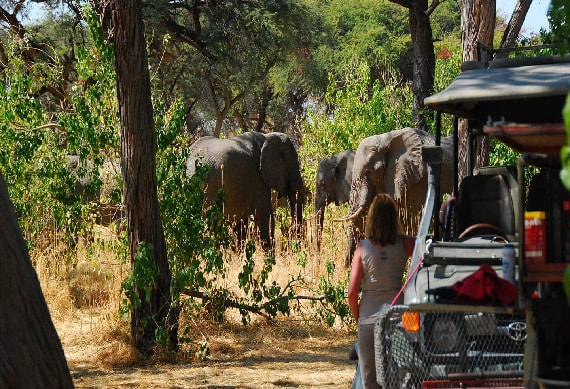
x: 248, y: 167
x: 392, y: 163
x: 332, y: 185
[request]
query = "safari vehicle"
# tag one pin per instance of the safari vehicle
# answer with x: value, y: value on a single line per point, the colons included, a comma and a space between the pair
x: 456, y: 329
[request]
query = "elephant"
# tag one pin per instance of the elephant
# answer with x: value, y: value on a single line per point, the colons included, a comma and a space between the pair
x: 392, y: 163
x: 105, y: 208
x: 248, y: 167
x: 332, y: 185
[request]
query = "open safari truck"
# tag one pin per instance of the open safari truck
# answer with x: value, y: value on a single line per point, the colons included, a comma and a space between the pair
x: 466, y: 323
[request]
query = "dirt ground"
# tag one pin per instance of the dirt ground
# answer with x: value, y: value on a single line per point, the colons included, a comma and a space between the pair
x: 261, y: 355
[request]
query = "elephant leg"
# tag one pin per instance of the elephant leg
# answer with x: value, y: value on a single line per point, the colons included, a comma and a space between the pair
x: 296, y: 207
x: 351, y: 245
x: 266, y: 224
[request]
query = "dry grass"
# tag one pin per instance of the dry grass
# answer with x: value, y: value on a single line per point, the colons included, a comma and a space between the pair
x: 294, y: 351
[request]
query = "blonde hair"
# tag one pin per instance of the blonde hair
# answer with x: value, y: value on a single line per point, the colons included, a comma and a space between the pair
x: 382, y: 223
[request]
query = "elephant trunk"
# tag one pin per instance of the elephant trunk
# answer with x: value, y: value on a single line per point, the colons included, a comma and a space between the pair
x: 352, y: 216
x: 355, y: 234
x: 361, y: 197
x: 355, y: 231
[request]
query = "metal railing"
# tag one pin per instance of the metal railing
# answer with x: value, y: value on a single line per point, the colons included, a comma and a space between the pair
x: 447, y: 349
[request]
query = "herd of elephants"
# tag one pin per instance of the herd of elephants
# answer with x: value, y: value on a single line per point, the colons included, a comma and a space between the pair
x: 249, y: 166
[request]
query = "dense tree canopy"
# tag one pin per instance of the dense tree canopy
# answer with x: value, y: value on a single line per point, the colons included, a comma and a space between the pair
x: 218, y: 56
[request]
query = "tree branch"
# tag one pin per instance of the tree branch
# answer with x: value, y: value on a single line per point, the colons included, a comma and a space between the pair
x: 258, y: 309
x: 432, y: 7
x: 188, y: 36
x: 403, y: 3
x: 12, y: 22
x: 513, y: 28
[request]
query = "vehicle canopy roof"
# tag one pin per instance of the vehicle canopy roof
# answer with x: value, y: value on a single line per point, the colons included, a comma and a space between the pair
x: 523, y: 90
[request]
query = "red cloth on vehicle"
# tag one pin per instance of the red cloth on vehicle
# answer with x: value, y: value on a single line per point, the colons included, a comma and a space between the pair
x: 484, y: 287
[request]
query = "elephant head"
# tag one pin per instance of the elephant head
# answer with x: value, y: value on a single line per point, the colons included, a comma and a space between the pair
x: 332, y: 185
x: 392, y: 163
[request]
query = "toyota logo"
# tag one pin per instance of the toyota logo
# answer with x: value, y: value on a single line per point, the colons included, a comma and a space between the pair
x: 517, y: 331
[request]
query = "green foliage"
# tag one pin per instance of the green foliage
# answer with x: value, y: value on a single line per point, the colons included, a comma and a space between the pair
x: 199, y: 266
x: 502, y: 155
x: 181, y: 202
x: 144, y: 274
x: 335, y: 304
x: 445, y: 23
x: 371, y: 32
x: 559, y: 20
x: 360, y: 109
x: 565, y: 151
x: 47, y: 188
x: 447, y: 67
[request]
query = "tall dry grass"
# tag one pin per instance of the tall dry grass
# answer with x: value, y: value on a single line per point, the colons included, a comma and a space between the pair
x: 83, y: 294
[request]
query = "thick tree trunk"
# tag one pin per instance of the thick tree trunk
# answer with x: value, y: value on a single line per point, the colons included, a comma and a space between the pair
x: 423, y: 53
x: 477, y: 25
x: 138, y: 160
x: 424, y: 58
x: 513, y: 28
x: 31, y: 355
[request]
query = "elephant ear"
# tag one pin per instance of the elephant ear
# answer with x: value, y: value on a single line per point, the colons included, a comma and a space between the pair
x: 342, y: 185
x: 273, y: 162
x: 410, y: 168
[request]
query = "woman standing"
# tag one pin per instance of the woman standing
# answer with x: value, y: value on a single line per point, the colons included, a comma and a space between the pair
x: 378, y: 264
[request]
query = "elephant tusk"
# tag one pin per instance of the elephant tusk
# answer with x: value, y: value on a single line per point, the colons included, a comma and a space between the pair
x: 353, y: 216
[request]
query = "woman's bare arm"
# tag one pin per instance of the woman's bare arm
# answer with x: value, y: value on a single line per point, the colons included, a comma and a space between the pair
x: 354, y: 283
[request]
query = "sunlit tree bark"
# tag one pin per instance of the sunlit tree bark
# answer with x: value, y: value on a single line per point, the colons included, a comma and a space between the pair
x: 477, y: 25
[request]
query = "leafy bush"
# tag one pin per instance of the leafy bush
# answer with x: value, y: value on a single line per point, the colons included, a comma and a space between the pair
x: 354, y: 110
x: 51, y: 190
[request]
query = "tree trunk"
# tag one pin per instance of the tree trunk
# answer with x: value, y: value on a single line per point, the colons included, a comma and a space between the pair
x: 477, y: 25
x: 266, y: 94
x: 424, y: 59
x: 31, y: 355
x: 513, y: 28
x: 138, y: 161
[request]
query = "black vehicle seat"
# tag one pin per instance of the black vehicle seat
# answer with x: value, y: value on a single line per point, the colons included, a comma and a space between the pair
x: 510, y: 174
x: 489, y: 197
